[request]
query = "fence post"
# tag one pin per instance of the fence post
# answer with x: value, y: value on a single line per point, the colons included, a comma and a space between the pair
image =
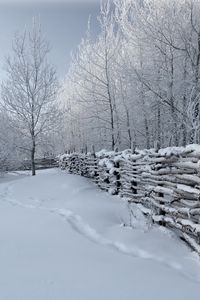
x: 156, y: 146
x: 116, y: 149
x: 134, y: 187
x: 95, y: 166
x: 161, y: 212
x: 133, y: 146
x: 93, y: 151
x: 117, y: 175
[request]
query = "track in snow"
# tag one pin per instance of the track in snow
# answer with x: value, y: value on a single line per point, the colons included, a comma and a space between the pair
x: 76, y: 200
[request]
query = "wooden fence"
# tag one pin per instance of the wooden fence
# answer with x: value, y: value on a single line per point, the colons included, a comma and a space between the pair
x: 164, y: 183
x: 40, y: 163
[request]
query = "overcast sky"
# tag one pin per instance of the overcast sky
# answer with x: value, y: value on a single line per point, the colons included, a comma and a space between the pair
x: 64, y: 23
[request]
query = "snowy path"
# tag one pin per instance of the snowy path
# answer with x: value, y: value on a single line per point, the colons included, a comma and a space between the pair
x: 62, y: 238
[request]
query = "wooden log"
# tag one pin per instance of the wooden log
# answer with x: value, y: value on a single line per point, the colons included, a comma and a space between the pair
x: 172, y: 171
x: 186, y: 192
x: 192, y: 242
x: 187, y: 165
x: 160, y: 199
x: 189, y: 179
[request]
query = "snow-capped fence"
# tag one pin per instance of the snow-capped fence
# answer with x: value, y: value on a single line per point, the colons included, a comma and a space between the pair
x: 165, y: 183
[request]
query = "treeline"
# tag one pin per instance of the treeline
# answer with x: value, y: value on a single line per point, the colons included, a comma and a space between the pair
x: 138, y: 81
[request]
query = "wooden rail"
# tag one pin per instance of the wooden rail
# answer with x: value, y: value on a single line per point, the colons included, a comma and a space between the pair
x: 40, y: 163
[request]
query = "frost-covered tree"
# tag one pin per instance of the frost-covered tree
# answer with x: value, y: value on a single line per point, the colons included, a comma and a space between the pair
x: 30, y: 90
x: 139, y: 81
x: 92, y: 75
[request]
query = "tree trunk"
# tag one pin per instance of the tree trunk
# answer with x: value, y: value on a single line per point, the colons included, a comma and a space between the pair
x: 111, y: 106
x: 184, y: 120
x: 147, y: 132
x: 171, y: 97
x: 158, y: 122
x: 33, y: 159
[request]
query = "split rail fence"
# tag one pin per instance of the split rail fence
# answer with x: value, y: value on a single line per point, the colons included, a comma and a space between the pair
x: 165, y: 183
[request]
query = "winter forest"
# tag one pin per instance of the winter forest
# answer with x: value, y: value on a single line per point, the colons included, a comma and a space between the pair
x: 113, y: 135
x: 134, y: 84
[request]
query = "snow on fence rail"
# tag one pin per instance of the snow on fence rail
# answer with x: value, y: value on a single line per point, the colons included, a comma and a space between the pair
x: 164, y: 183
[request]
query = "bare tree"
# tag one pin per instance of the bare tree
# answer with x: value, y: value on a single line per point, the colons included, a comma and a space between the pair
x: 30, y: 90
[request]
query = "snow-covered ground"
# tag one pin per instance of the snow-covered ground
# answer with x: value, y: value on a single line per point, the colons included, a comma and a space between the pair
x: 61, y: 238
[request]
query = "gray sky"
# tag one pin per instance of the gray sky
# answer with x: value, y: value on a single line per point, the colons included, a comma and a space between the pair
x: 63, y: 23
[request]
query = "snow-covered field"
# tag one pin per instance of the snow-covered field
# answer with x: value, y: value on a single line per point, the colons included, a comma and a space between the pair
x: 61, y: 238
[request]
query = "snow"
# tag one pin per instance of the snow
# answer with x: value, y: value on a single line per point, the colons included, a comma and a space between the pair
x: 62, y: 238
x: 8, y: 176
x: 171, y: 151
x: 105, y: 153
x: 195, y: 148
x: 106, y: 163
